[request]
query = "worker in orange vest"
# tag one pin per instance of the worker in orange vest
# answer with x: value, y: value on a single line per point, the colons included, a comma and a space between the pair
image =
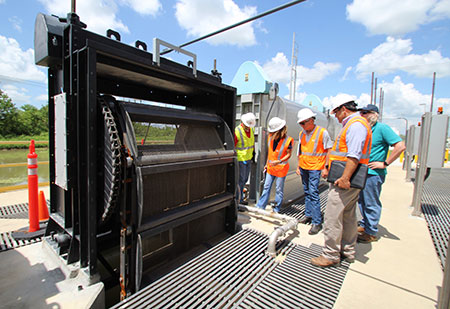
x: 314, y: 143
x: 277, y: 166
x: 353, y: 147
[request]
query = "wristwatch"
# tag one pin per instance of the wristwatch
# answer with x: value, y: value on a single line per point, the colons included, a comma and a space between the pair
x: 386, y: 164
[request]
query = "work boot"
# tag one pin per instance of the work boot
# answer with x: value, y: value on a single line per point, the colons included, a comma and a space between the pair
x: 360, y: 229
x: 366, y: 238
x: 348, y: 259
x: 323, y: 262
x: 305, y: 220
x: 315, y: 229
x: 243, y: 203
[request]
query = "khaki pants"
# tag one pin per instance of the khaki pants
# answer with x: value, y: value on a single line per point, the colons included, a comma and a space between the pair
x: 340, y: 226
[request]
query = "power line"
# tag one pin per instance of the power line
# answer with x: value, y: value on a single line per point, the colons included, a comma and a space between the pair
x: 279, y: 8
x: 23, y: 81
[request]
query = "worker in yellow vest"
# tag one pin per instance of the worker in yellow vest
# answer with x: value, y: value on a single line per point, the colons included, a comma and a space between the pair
x: 352, y: 146
x: 314, y: 143
x: 244, y: 143
x: 277, y: 166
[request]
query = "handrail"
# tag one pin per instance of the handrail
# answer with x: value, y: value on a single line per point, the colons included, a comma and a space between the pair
x: 20, y: 164
x: 291, y: 224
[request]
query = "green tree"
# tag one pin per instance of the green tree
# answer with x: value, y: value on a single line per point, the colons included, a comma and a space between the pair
x: 8, y: 116
x: 29, y: 120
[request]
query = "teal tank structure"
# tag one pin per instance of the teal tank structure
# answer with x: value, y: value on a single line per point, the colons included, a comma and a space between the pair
x: 250, y: 78
x: 312, y: 101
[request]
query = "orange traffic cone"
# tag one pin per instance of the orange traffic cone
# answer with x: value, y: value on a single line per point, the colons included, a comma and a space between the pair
x: 43, y: 210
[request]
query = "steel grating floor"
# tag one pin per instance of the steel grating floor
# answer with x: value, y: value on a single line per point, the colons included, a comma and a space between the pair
x: 8, y: 242
x: 297, y: 210
x: 18, y: 211
x: 238, y: 274
x: 436, y: 209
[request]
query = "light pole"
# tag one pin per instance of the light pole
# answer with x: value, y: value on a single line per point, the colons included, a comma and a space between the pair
x: 406, y: 120
x: 424, y: 107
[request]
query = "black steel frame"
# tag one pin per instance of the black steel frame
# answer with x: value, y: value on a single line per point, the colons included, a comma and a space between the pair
x: 90, y: 65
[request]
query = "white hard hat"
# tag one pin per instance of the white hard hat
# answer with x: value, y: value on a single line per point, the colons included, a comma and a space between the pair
x: 304, y: 114
x: 276, y: 124
x: 340, y: 100
x: 249, y: 119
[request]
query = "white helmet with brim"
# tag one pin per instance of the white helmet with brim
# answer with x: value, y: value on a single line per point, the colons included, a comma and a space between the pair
x: 276, y: 124
x: 249, y: 120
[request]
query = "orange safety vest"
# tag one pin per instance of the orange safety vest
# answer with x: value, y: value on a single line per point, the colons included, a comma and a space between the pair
x: 279, y: 170
x: 339, y: 150
x: 313, y: 154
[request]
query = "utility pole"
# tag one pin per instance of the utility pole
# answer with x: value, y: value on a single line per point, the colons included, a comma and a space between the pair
x: 375, y: 93
x: 432, y: 92
x: 293, y: 82
x: 371, y: 90
x: 381, y: 104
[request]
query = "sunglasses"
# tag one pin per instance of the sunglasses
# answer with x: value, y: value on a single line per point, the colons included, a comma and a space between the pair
x: 337, y: 109
x: 365, y: 112
x: 303, y: 122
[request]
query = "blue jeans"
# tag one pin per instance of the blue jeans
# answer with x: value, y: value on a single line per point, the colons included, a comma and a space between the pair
x: 244, y: 172
x: 310, y: 181
x: 370, y: 204
x: 264, y: 199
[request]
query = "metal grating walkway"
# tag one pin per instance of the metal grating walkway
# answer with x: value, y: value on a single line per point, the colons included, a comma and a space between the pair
x: 297, y: 210
x: 238, y: 274
x: 8, y: 242
x: 18, y: 211
x: 436, y: 209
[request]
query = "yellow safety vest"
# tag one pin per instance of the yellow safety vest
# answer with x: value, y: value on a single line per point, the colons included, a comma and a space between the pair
x: 245, y: 145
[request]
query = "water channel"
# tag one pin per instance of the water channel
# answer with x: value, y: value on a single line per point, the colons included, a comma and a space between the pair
x: 12, y: 175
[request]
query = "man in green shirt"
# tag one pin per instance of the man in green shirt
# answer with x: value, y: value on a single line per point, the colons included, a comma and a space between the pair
x: 369, y: 198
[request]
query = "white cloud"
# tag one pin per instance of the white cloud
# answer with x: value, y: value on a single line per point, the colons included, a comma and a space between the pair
x: 395, y: 54
x: 98, y: 15
x: 396, y: 17
x: 147, y: 7
x: 340, y: 97
x: 18, y: 95
x: 402, y: 99
x: 347, y: 71
x: 16, y: 23
x: 18, y: 64
x: 278, y: 69
x: 42, y: 98
x: 201, y: 17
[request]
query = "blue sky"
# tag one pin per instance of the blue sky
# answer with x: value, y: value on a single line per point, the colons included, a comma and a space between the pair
x: 340, y: 43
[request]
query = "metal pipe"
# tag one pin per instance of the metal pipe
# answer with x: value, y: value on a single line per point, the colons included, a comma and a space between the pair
x: 279, y: 8
x: 291, y: 224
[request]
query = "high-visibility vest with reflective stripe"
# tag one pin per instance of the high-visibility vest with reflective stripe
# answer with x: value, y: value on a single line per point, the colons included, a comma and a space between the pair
x: 313, y: 154
x: 282, y: 169
x: 339, y: 150
x: 245, y: 145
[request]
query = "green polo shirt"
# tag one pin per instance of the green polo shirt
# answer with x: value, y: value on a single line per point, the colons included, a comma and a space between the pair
x: 382, y: 137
